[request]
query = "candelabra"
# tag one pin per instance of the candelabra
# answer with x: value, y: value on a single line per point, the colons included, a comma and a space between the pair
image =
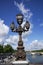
x: 20, y: 54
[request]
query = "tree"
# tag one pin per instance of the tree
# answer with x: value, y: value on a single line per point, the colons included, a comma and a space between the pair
x: 1, y: 49
x: 8, y: 49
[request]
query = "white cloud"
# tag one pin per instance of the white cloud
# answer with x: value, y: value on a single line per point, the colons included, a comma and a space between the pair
x: 26, y: 12
x: 36, y: 45
x: 21, y: 7
x: 41, y: 24
x: 4, y: 29
x: 1, y: 39
x: 12, y: 39
x: 23, y: 23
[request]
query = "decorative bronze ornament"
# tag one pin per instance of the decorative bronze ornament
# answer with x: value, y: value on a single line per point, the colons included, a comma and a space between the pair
x: 20, y: 54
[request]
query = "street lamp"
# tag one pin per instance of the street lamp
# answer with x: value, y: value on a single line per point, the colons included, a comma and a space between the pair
x: 20, y: 54
x: 19, y: 18
x: 12, y: 26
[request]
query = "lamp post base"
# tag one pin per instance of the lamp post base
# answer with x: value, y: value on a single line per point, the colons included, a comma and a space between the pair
x: 20, y: 63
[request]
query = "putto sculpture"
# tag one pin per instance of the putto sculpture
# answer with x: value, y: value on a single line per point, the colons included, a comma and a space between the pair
x: 20, y: 54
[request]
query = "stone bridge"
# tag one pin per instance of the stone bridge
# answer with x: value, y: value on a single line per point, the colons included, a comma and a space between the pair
x: 36, y: 53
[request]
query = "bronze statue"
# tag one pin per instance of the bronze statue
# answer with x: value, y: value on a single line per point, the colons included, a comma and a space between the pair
x: 20, y: 54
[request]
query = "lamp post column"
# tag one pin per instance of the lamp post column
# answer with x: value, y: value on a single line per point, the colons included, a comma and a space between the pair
x: 20, y: 54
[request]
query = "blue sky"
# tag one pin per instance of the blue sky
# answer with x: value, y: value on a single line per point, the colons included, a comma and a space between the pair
x: 33, y: 12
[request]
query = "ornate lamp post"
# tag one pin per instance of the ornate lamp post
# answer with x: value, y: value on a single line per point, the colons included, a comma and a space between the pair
x: 20, y: 54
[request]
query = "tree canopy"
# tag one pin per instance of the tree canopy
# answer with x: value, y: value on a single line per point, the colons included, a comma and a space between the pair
x: 6, y: 49
x: 1, y: 48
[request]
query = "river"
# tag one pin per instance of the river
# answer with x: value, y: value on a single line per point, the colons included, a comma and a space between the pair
x: 34, y: 58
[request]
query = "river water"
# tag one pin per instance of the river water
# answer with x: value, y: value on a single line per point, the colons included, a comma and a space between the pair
x: 35, y: 58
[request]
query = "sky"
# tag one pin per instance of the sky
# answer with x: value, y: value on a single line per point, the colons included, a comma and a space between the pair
x: 32, y: 11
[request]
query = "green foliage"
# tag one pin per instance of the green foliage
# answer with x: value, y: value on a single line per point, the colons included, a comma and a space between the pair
x: 1, y: 49
x: 38, y: 50
x: 7, y: 49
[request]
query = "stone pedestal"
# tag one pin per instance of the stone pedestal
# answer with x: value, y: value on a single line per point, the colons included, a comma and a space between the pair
x: 20, y: 63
